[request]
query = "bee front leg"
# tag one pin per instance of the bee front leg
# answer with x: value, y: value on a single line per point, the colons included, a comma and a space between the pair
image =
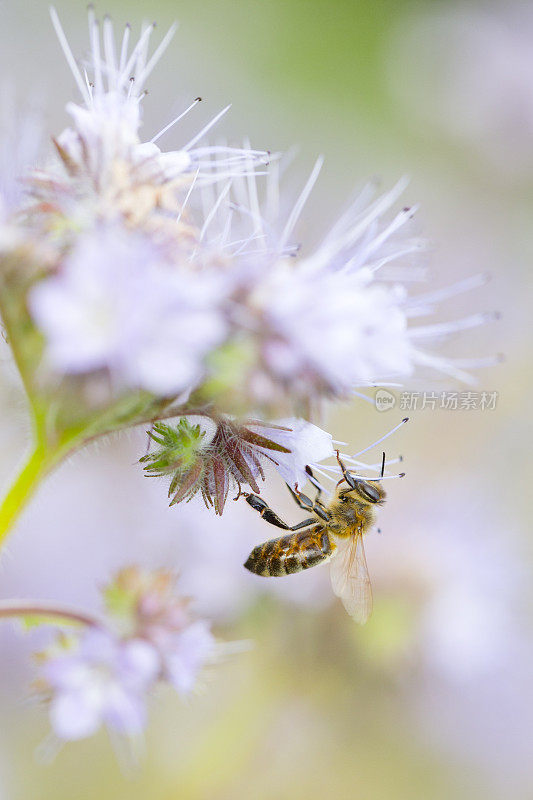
x: 307, y: 504
x: 269, y: 515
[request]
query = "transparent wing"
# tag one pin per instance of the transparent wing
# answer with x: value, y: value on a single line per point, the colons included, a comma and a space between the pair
x: 350, y: 578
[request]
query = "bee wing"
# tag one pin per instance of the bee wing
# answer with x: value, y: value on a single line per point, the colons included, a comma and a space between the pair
x: 350, y: 578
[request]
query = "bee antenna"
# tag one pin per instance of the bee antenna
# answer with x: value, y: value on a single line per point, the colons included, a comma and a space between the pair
x: 382, y: 466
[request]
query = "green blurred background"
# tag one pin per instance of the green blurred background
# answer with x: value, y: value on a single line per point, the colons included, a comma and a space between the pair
x: 434, y: 697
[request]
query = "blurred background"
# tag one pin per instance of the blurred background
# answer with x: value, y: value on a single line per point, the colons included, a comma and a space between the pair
x: 433, y: 698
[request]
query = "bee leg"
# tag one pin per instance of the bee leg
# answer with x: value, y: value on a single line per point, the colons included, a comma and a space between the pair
x: 350, y: 480
x: 318, y: 505
x: 304, y: 524
x: 315, y: 483
x: 308, y: 505
x: 269, y: 515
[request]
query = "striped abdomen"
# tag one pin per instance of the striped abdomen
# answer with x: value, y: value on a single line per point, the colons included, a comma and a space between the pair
x: 291, y: 553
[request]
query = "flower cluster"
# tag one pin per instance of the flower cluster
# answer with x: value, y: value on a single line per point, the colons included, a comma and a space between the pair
x: 170, y: 274
x: 104, y: 673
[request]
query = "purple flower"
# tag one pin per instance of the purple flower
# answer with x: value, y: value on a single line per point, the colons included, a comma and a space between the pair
x: 341, y: 317
x: 161, y: 615
x: 99, y: 676
x: 117, y: 304
x: 185, y: 653
x: 102, y: 682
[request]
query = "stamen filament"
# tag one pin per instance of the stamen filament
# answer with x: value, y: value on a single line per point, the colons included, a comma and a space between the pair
x: 382, y: 439
x: 174, y: 121
x: 207, y: 128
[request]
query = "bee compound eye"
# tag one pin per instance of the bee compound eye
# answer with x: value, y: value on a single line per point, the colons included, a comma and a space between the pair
x: 369, y: 492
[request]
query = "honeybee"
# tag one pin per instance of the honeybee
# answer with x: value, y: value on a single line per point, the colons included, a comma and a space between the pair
x: 334, y: 533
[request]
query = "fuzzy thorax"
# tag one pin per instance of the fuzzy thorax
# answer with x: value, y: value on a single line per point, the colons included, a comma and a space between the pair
x: 352, y: 511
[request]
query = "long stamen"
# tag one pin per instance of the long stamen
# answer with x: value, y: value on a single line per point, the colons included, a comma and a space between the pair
x: 215, y: 208
x: 272, y: 198
x: 444, y: 365
x: 473, y: 282
x: 94, y: 37
x: 384, y: 478
x: 71, y: 61
x: 177, y: 119
x: 300, y: 203
x: 396, y: 223
x: 130, y: 87
x: 207, y: 128
x: 386, y: 436
x: 227, y: 229
x: 159, y: 51
x: 477, y: 363
x: 317, y: 484
x: 333, y: 245
x: 405, y: 251
x: 191, y: 187
x: 243, y: 241
x: 355, y: 463
x: 388, y: 462
x: 142, y: 56
x: 110, y: 52
x: 207, y: 178
x: 252, y: 191
x: 88, y: 84
x: 445, y: 328
x: 136, y: 52
x: 364, y: 397
x: 124, y: 50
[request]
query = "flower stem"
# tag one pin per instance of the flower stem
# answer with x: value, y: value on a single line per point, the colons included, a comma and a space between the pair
x: 50, y: 611
x: 35, y: 468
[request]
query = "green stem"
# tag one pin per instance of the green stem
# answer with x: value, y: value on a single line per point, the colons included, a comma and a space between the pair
x: 45, y: 456
x: 23, y: 487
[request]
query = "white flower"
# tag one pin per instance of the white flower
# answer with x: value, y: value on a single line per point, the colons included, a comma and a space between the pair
x: 329, y: 331
x: 106, y: 127
x: 308, y: 445
x: 116, y: 304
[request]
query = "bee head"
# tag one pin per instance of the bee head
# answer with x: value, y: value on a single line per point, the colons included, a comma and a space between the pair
x: 366, y: 491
